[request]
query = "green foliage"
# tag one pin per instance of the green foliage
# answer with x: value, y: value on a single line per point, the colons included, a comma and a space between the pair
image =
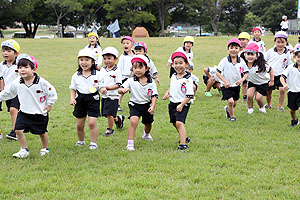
x: 6, y: 14
x: 250, y: 21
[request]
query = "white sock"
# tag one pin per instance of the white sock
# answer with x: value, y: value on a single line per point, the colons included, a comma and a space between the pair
x: 93, y: 143
x: 131, y: 143
x: 146, y: 134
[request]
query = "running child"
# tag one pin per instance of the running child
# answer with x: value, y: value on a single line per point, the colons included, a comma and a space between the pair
x: 229, y: 73
x: 110, y: 81
x: 260, y: 77
x: 188, y: 43
x: 9, y: 68
x: 141, y: 48
x: 94, y: 44
x: 142, y: 100
x: 36, y: 96
x: 180, y: 94
x: 124, y: 63
x: 278, y: 58
x: 257, y: 32
x: 85, y: 96
x: 284, y: 24
x: 211, y: 80
x: 292, y: 75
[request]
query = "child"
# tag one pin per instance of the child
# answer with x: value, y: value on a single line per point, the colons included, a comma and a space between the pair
x: 110, y: 81
x: 211, y: 80
x: 195, y: 79
x: 124, y: 63
x: 10, y: 51
x: 260, y: 77
x: 284, y: 24
x: 292, y: 74
x: 143, y: 97
x: 94, y: 44
x: 36, y: 96
x: 85, y: 97
x: 229, y: 73
x: 141, y: 48
x: 180, y: 94
x: 188, y: 43
x: 257, y: 32
x: 278, y: 58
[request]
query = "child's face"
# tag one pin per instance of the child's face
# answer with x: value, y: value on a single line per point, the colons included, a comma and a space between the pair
x: 138, y: 70
x: 257, y: 34
x: 109, y: 60
x: 179, y: 65
x: 250, y: 57
x: 9, y: 54
x: 280, y: 43
x: 127, y: 45
x: 85, y: 63
x: 26, y: 72
x: 244, y: 42
x: 233, y: 50
x: 92, y: 40
x: 139, y: 51
x: 188, y: 45
x: 297, y: 58
x: 189, y: 69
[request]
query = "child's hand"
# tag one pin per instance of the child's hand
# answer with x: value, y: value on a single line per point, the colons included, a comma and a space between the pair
x: 103, y: 90
x: 151, y: 110
x: 226, y: 84
x: 166, y: 96
x: 271, y: 83
x: 73, y: 102
x: 239, y: 82
x: 158, y: 81
x: 48, y: 108
x: 123, y: 90
x: 286, y: 87
x: 179, y: 108
x: 168, y: 65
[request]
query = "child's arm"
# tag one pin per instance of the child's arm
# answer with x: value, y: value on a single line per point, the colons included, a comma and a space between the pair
x: 157, y: 79
x: 123, y: 90
x: 271, y: 83
x: 152, y: 108
x: 226, y: 84
x: 206, y: 71
x: 2, y: 84
x: 285, y: 86
x: 239, y: 82
x: 73, y: 94
x: 51, y: 95
x: 9, y: 92
x: 167, y: 95
x: 180, y: 106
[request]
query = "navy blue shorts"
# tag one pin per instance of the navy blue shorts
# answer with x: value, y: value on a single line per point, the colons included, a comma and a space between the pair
x: 14, y: 103
x: 109, y: 107
x: 87, y: 104
x: 178, y: 116
x: 293, y: 100
x: 262, y: 89
x: 231, y: 92
x: 141, y: 110
x: 277, y: 83
x: 36, y: 124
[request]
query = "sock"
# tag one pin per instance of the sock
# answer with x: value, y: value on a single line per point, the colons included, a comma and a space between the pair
x: 25, y: 148
x: 146, y: 134
x: 131, y: 143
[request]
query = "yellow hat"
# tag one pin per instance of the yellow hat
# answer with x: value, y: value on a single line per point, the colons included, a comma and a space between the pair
x: 244, y: 35
x: 11, y: 44
x: 94, y: 34
x: 188, y: 39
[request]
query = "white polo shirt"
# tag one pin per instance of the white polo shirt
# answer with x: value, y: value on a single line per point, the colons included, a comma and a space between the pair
x: 284, y: 24
x: 141, y: 94
x: 278, y: 61
x: 33, y: 98
x: 260, y: 44
x: 232, y: 72
x: 259, y: 78
x: 98, y: 53
x: 110, y: 78
x: 190, y: 54
x: 85, y: 85
x: 195, y: 79
x: 125, y: 65
x: 181, y: 88
x: 292, y: 74
x: 9, y: 73
x: 213, y: 72
x: 153, y: 70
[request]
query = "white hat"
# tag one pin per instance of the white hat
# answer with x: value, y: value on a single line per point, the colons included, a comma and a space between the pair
x: 140, y: 58
x: 297, y: 49
x: 86, y: 53
x: 191, y: 64
x: 110, y: 50
x: 281, y: 34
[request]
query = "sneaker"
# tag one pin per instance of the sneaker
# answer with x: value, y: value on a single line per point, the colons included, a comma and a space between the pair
x: 250, y: 111
x: 294, y: 122
x: 208, y: 94
x: 232, y: 119
x: 44, y: 151
x: 1, y: 136
x: 281, y: 109
x: 23, y: 153
x: 12, y: 135
x: 227, y: 113
x: 187, y: 140
x: 130, y: 148
x: 263, y: 110
x: 109, y: 132
x: 93, y: 146
x: 147, y: 137
x: 183, y: 147
x: 119, y: 123
x: 267, y: 106
x: 80, y: 143
x: 119, y: 108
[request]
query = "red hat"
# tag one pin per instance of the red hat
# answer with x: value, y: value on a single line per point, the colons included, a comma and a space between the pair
x: 256, y: 29
x: 127, y: 38
x: 178, y: 54
x: 140, y: 58
x: 234, y: 40
x: 252, y: 48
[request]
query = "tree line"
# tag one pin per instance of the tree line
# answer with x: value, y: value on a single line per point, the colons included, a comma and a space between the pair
x: 218, y: 16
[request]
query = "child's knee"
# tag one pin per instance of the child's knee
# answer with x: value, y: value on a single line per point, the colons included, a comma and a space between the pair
x: 230, y: 102
x: 178, y: 124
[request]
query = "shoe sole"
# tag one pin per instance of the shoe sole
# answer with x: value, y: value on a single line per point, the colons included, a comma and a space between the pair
x: 10, y: 137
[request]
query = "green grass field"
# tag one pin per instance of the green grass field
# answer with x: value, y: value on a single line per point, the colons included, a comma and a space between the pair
x: 257, y: 157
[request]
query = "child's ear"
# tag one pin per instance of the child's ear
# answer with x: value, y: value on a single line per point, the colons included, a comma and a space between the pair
x: 116, y: 58
x: 147, y: 68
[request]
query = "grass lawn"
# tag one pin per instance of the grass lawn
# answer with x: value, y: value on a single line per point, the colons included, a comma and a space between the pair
x: 257, y: 157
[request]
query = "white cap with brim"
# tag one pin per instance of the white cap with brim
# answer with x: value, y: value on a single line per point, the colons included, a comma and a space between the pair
x: 111, y: 51
x: 86, y: 53
x: 297, y: 49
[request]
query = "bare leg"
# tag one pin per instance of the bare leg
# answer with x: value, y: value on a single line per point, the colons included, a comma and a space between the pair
x: 231, y: 105
x: 92, y: 121
x: 134, y: 120
x: 110, y: 120
x: 13, y: 114
x: 148, y: 128
x: 21, y: 138
x: 182, y: 132
x: 44, y: 139
x: 281, y: 96
x: 80, y: 128
x: 259, y: 99
x: 210, y: 82
x: 269, y: 97
x: 250, y: 95
x: 293, y: 114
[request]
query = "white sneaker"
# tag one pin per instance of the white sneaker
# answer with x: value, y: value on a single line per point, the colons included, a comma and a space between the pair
x: 250, y: 110
x: 93, y: 146
x: 23, y: 153
x: 130, y: 148
x: 281, y: 109
x: 263, y: 110
x: 80, y: 143
x: 44, y: 151
x: 147, y: 137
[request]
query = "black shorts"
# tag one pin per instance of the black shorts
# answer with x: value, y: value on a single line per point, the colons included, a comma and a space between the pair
x: 178, y: 116
x: 172, y: 71
x: 140, y: 110
x: 87, y: 104
x: 231, y: 92
x: 293, y: 100
x: 109, y: 107
x: 14, y: 103
x: 36, y: 124
x: 277, y: 83
x: 205, y: 79
x: 262, y: 89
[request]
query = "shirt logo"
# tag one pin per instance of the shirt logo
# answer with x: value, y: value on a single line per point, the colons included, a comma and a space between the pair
x: 150, y: 92
x: 183, y: 87
x: 42, y: 99
x: 284, y: 63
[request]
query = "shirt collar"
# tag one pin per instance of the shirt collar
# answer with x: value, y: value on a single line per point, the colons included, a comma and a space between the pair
x: 285, y: 50
x: 229, y: 59
x: 5, y: 62
x: 126, y: 54
x: 96, y: 45
x: 256, y: 41
x: 93, y: 72
x: 187, y: 75
x: 149, y: 79
x: 35, y: 81
x: 113, y: 69
x: 184, y: 49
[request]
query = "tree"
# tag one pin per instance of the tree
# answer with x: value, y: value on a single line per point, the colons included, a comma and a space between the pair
x: 250, y: 21
x: 214, y: 10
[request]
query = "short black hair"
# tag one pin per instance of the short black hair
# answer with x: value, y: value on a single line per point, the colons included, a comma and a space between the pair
x: 8, y: 48
x: 296, y: 53
x: 139, y: 48
x: 233, y: 44
x: 109, y: 54
x: 185, y: 60
x: 24, y: 62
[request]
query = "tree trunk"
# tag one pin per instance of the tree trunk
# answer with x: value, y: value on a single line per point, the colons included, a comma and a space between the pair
x: 59, y: 32
x: 161, y: 16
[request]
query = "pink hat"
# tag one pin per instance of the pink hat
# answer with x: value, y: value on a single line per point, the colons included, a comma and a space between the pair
x: 141, y: 44
x: 28, y: 57
x: 34, y: 62
x: 256, y: 29
x: 140, y: 58
x: 234, y: 40
x: 252, y: 48
x: 127, y: 38
x: 178, y: 54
